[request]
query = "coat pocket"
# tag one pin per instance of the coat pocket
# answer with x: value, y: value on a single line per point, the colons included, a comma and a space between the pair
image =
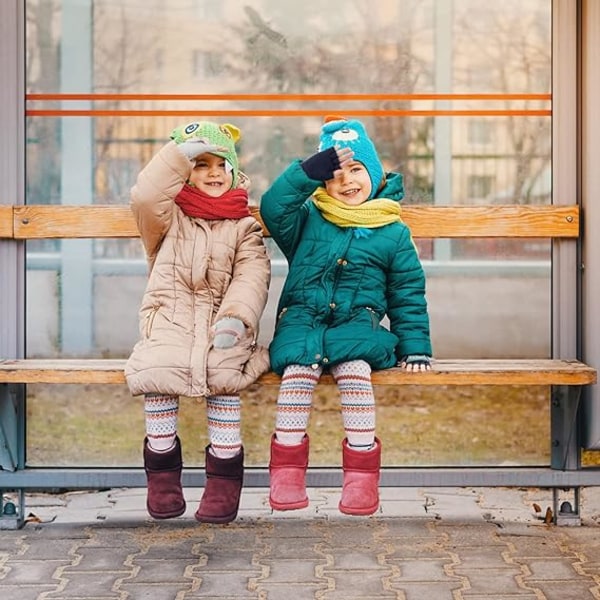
x: 149, y: 321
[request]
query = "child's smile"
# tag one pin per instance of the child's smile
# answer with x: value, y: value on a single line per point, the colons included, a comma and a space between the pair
x: 351, y: 185
x: 211, y: 175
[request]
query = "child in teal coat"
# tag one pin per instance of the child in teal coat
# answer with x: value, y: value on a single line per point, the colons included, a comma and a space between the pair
x: 352, y: 261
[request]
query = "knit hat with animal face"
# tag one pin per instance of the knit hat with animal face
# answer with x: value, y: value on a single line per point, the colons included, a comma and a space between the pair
x: 225, y: 136
x: 341, y: 133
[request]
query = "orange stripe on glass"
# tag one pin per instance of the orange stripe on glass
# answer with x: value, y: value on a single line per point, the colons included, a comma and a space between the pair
x: 280, y: 97
x: 285, y: 112
x: 289, y: 113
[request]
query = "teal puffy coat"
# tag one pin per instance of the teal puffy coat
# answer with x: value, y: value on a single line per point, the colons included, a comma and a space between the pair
x: 339, y: 286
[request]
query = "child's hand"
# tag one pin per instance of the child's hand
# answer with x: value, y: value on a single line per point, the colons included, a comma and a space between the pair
x: 228, y: 332
x: 416, y: 362
x: 190, y: 144
x: 323, y: 165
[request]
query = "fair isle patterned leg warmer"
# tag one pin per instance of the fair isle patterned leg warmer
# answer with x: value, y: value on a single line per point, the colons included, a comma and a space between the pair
x: 161, y: 412
x: 358, y: 403
x: 224, y: 434
x: 294, y: 403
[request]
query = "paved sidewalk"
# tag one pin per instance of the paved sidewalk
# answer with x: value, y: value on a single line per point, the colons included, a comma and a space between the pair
x: 424, y: 544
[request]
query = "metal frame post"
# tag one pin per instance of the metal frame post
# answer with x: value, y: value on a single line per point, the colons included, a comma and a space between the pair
x: 12, y: 253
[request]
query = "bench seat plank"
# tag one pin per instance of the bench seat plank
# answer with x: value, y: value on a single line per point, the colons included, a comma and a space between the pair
x: 116, y: 221
x: 444, y: 372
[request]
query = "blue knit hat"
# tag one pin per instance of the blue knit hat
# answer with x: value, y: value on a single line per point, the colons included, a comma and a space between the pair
x: 352, y: 134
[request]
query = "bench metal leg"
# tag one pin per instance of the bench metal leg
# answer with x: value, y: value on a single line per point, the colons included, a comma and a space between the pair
x: 12, y: 450
x: 564, y: 428
x: 566, y: 512
x: 565, y: 450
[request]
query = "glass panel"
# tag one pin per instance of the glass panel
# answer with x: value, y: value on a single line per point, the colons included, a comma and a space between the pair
x: 454, y: 92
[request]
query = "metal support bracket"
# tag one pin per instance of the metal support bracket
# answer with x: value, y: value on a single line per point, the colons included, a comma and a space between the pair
x: 12, y: 451
x: 566, y: 513
x: 565, y: 454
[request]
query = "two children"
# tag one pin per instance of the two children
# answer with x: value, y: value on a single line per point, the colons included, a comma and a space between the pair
x: 352, y: 261
x: 208, y: 283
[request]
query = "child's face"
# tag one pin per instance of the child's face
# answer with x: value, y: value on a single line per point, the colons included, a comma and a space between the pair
x: 351, y: 185
x: 210, y: 176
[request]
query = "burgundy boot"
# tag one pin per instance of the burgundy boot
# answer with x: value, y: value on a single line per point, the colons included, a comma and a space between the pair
x: 360, y: 493
x: 163, y: 474
x: 221, y: 498
x: 287, y: 470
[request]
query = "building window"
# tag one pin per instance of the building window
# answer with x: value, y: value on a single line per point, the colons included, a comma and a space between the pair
x: 479, y: 186
x: 207, y: 64
x: 209, y: 9
x: 480, y: 132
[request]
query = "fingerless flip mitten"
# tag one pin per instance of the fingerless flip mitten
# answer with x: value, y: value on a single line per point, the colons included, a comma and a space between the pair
x: 416, y: 359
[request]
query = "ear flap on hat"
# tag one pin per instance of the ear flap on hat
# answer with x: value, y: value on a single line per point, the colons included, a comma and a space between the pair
x: 329, y: 118
x: 233, y: 131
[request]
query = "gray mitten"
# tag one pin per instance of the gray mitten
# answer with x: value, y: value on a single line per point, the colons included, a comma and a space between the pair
x: 191, y: 143
x: 228, y: 332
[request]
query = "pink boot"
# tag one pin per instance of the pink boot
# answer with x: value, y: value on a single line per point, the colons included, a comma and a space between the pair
x: 288, y: 475
x: 360, y: 494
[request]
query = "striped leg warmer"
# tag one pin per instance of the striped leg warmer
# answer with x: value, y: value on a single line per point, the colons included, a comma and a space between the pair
x: 224, y: 432
x: 294, y: 403
x: 161, y: 413
x: 358, y: 402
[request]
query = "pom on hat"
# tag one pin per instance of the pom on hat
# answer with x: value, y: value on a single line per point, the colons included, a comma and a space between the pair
x: 338, y: 132
x: 225, y: 135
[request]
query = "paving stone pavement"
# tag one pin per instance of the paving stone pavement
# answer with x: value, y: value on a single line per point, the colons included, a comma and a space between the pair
x: 424, y: 544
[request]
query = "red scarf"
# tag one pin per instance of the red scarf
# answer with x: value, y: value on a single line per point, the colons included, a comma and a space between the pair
x: 231, y: 205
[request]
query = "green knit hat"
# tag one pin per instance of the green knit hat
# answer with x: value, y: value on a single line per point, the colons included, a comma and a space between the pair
x: 225, y: 135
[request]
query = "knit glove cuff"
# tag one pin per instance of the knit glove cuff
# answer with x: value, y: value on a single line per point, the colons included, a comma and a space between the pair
x: 191, y: 144
x: 191, y: 149
x: 228, y: 332
x: 322, y: 165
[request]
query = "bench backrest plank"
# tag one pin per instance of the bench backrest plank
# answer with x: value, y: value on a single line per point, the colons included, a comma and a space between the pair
x: 116, y: 221
x: 445, y: 372
x: 6, y: 221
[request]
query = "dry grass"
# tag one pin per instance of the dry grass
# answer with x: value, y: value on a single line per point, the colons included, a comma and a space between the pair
x: 423, y: 426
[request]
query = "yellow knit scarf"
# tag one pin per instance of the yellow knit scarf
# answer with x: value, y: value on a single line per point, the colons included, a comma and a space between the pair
x: 370, y: 214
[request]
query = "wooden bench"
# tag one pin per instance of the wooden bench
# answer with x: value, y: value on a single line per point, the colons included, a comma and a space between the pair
x: 566, y: 377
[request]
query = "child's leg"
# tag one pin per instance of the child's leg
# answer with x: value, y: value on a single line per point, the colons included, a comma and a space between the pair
x: 224, y: 433
x: 224, y: 459
x: 162, y: 457
x: 358, y: 403
x: 294, y: 403
x: 161, y: 413
x: 289, y: 444
x: 361, y: 450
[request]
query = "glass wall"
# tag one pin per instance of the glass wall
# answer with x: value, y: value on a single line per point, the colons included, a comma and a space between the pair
x: 456, y: 94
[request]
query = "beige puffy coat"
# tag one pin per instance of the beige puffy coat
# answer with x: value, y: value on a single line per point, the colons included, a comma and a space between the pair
x: 200, y: 272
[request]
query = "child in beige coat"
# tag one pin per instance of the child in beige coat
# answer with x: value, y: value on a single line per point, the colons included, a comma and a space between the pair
x: 199, y: 317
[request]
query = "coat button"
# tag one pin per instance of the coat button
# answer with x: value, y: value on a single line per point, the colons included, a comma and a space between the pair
x: 332, y: 305
x: 314, y: 366
x: 325, y: 360
x: 318, y: 356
